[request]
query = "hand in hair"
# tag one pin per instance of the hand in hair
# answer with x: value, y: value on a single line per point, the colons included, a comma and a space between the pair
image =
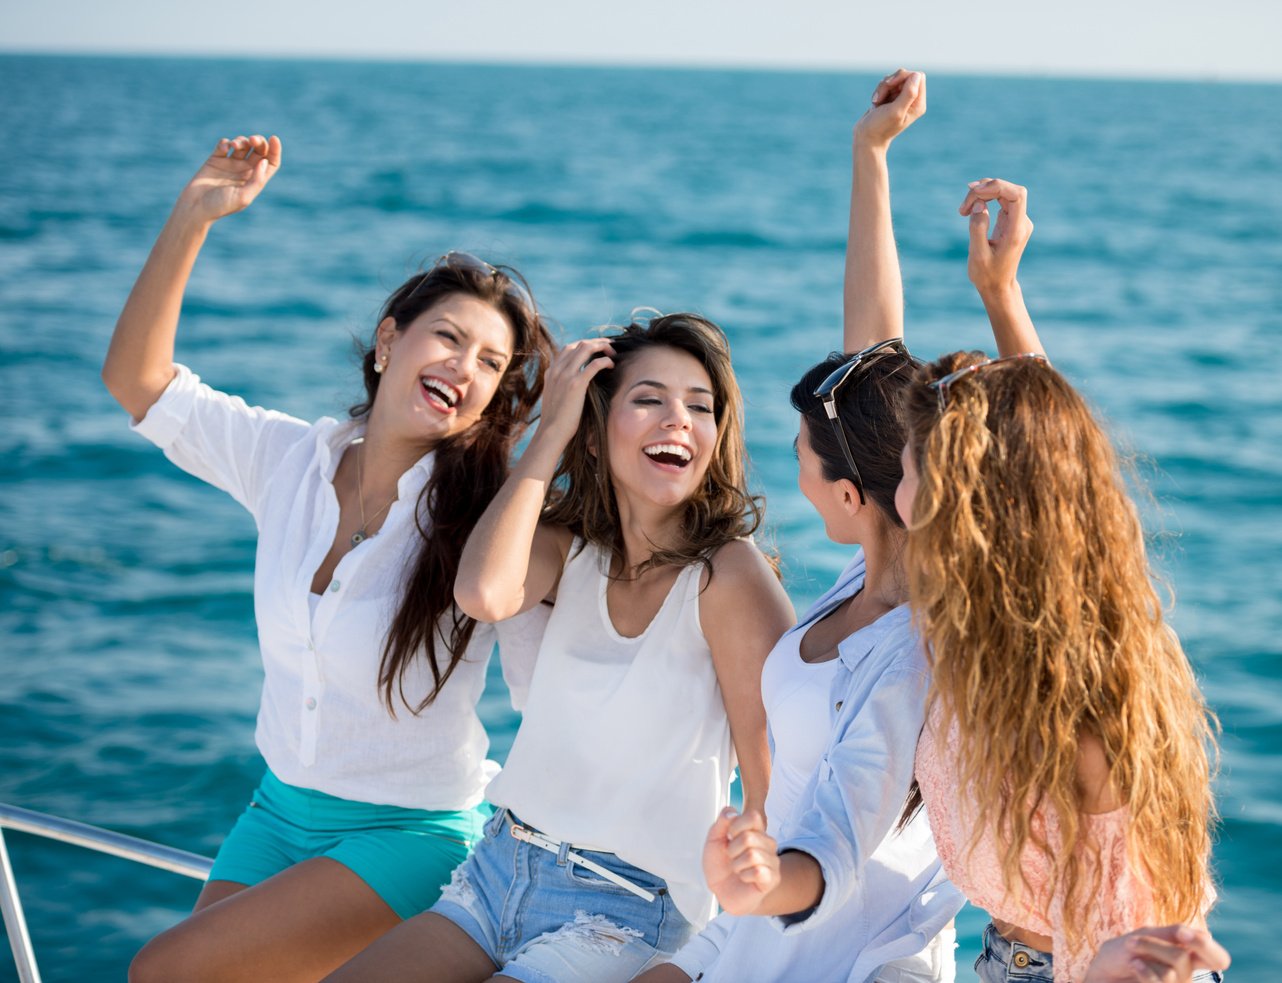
x: 231, y: 177
x: 576, y: 365
x: 512, y: 560
x: 898, y: 101
x: 1170, y: 954
x: 994, y: 258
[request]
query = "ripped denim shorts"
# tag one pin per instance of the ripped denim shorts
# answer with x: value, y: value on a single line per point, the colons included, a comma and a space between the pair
x: 544, y: 919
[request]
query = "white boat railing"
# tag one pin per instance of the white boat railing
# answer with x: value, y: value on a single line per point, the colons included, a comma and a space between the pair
x: 83, y: 835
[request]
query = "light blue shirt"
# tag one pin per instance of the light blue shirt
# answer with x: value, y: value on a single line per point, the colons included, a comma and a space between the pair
x: 885, y: 894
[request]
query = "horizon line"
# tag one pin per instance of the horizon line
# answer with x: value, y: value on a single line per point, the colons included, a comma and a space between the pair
x: 640, y: 63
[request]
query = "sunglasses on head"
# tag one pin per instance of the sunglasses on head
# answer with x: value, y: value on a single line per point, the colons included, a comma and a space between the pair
x: 942, y: 384
x: 455, y: 259
x: 827, y: 391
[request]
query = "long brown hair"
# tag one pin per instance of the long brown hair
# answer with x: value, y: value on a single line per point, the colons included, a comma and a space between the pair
x: 468, y: 470
x: 720, y: 511
x: 1032, y: 590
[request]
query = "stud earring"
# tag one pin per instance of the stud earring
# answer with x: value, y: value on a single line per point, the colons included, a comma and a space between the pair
x: 380, y: 366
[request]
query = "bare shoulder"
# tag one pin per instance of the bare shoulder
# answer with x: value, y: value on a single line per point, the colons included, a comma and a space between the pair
x: 738, y: 564
x: 743, y: 585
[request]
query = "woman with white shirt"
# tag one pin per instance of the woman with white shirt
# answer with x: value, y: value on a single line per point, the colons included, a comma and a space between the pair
x: 376, y: 759
x: 646, y: 687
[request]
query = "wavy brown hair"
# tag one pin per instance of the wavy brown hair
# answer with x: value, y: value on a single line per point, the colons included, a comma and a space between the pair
x: 469, y: 468
x: 720, y: 511
x: 1032, y: 589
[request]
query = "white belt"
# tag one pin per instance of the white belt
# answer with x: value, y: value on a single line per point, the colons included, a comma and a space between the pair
x: 535, y: 838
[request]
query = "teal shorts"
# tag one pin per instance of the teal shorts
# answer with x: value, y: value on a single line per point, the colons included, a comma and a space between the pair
x: 405, y: 855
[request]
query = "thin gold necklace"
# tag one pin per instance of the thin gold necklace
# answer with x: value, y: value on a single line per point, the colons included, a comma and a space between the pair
x: 360, y: 535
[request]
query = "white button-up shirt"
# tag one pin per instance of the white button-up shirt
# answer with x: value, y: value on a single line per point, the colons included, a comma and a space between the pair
x: 322, y: 722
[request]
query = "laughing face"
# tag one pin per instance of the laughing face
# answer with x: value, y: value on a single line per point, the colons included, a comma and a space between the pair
x: 442, y: 370
x: 662, y: 428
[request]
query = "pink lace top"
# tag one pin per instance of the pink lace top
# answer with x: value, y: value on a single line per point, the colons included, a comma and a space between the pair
x: 1124, y: 902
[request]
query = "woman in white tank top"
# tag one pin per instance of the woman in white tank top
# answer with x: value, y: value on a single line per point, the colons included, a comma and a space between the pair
x: 647, y: 685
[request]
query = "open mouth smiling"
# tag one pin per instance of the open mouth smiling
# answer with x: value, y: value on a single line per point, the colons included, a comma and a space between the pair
x: 669, y: 455
x: 440, y: 393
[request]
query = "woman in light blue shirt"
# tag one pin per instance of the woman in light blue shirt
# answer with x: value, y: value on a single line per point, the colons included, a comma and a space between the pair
x: 864, y: 897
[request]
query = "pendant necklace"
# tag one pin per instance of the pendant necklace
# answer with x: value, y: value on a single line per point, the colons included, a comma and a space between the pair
x: 360, y: 535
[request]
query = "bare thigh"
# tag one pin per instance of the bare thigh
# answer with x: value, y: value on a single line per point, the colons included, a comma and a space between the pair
x: 215, y: 891
x: 296, y: 926
x: 427, y: 947
x: 663, y: 973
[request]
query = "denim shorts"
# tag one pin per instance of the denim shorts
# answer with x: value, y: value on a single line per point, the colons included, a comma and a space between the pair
x: 542, y: 919
x: 1004, y: 960
x: 404, y: 855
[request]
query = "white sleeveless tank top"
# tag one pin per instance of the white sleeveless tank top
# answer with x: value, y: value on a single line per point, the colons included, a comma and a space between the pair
x: 624, y: 746
x: 798, y: 698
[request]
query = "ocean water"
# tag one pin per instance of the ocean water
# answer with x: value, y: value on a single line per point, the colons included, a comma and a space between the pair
x: 130, y: 675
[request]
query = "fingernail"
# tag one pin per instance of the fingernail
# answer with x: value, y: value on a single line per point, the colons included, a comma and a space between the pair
x: 973, y: 184
x: 1185, y: 934
x: 977, y: 208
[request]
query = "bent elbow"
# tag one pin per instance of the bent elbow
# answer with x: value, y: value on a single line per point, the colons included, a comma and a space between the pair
x: 135, y: 393
x: 484, y: 605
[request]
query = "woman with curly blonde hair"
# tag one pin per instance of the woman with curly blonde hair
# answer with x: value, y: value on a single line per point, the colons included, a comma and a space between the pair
x: 1066, y: 759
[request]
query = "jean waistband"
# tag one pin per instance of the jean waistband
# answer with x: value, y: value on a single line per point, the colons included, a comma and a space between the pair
x: 567, y: 854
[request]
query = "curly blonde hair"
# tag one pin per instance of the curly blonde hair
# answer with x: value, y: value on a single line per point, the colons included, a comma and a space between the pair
x: 1032, y: 589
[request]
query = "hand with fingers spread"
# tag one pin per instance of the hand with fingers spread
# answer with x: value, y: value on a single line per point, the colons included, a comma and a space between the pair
x: 994, y: 257
x: 140, y: 362
x: 740, y: 861
x: 1170, y: 954
x: 574, y: 367
x: 898, y: 101
x: 231, y: 177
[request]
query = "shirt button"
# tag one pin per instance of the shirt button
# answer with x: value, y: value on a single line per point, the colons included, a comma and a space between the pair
x: 311, y: 703
x: 334, y: 586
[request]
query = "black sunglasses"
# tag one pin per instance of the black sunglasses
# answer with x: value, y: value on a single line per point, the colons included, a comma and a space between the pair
x: 827, y: 390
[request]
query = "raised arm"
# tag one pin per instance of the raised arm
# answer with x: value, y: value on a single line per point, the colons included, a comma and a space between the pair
x: 994, y: 261
x: 744, y: 611
x: 873, y: 299
x: 512, y: 561
x: 140, y: 360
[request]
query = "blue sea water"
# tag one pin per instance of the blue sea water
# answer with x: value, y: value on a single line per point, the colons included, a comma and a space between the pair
x: 130, y: 674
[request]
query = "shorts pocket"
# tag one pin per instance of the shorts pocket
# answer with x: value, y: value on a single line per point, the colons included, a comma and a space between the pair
x: 591, y: 881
